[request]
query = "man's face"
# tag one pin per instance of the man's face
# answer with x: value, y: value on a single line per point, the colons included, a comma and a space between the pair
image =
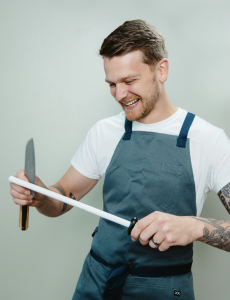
x: 133, y: 84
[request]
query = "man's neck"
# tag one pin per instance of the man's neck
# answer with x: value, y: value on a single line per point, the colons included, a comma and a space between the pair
x: 161, y: 111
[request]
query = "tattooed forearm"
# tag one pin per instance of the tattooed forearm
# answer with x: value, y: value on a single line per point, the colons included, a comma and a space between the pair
x: 57, y: 187
x: 224, y: 195
x: 216, y: 235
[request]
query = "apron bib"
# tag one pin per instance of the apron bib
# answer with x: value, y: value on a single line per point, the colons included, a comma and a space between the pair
x: 148, y: 172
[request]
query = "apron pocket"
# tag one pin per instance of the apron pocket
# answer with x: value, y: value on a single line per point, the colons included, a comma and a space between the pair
x: 169, y: 186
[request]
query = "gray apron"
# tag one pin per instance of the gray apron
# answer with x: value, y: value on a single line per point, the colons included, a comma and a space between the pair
x: 148, y: 172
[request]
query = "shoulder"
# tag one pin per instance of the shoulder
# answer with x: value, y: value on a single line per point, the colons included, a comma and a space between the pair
x: 203, y: 130
x: 112, y: 121
x: 114, y: 124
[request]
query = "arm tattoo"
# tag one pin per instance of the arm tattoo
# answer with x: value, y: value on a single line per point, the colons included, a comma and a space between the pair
x: 218, y: 237
x: 65, y: 205
x: 72, y: 196
x: 224, y: 195
x: 57, y: 187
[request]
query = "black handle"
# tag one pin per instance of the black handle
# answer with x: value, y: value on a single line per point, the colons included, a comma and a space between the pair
x: 132, y: 224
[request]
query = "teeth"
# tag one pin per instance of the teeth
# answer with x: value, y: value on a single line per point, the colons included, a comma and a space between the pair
x: 131, y: 103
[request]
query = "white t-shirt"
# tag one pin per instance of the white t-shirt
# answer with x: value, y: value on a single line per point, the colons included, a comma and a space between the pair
x: 209, y: 150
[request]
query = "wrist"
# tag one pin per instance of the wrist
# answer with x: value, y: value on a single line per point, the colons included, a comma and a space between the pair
x: 42, y: 203
x: 197, y: 228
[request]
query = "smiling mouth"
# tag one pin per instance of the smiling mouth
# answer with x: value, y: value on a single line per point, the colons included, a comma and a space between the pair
x: 132, y: 103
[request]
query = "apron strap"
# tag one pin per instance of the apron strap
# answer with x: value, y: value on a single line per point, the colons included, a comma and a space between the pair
x: 128, y: 129
x: 115, y: 278
x: 182, y: 138
x: 115, y: 281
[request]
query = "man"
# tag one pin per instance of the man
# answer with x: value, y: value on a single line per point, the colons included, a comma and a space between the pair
x: 159, y: 163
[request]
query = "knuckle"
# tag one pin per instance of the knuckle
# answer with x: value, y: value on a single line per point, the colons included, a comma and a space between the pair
x: 143, y: 237
x: 170, y: 239
x: 20, y: 173
x: 156, y: 213
x: 140, y: 225
x: 142, y: 243
x: 165, y: 229
x: 152, y: 245
x: 160, y: 221
x: 22, y: 197
x: 23, y: 190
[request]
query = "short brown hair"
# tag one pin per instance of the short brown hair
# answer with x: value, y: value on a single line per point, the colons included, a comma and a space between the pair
x: 135, y: 35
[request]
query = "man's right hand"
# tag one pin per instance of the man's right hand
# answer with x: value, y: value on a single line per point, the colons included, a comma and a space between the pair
x: 73, y: 184
x: 22, y: 196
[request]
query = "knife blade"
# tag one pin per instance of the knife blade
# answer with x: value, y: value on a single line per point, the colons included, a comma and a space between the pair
x: 30, y: 174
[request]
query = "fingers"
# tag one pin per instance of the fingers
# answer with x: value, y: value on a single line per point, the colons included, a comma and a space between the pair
x: 158, y: 238
x: 155, y: 227
x: 21, y: 175
x: 165, y: 243
x: 19, y: 189
x: 147, y: 234
x: 140, y: 226
x: 145, y: 229
x: 21, y: 195
x: 21, y: 198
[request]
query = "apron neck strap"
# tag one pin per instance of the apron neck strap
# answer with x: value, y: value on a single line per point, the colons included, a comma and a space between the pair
x: 128, y: 129
x: 182, y: 138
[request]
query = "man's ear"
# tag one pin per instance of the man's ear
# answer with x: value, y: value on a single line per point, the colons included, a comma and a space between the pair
x: 163, y: 68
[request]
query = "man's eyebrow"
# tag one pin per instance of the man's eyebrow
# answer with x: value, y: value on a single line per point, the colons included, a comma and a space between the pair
x: 125, y: 78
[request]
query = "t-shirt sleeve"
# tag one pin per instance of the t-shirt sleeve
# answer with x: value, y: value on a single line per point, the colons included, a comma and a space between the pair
x: 220, y: 163
x: 84, y: 160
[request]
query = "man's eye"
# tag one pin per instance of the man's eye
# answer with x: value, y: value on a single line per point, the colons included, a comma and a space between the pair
x: 112, y: 84
x: 129, y: 82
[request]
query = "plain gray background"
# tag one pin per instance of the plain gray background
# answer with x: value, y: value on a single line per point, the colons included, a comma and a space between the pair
x: 53, y: 89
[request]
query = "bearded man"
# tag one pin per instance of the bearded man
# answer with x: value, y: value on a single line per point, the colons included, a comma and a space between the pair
x: 158, y: 162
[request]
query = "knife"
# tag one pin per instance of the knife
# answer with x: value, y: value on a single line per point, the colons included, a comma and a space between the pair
x: 30, y: 174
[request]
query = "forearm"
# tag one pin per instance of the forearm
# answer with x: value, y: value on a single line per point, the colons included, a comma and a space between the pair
x: 73, y: 185
x: 170, y: 230
x: 51, y: 207
x: 215, y: 233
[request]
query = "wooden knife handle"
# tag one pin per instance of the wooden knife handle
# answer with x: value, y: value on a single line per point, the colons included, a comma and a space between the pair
x: 24, y: 217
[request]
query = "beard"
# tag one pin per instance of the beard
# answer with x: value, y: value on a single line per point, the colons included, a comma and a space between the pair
x: 148, y: 104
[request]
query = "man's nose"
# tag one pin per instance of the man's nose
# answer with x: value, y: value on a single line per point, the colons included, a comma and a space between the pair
x: 121, y: 92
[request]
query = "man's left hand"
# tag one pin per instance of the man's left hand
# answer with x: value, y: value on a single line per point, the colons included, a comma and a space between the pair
x: 167, y: 230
